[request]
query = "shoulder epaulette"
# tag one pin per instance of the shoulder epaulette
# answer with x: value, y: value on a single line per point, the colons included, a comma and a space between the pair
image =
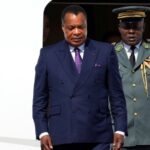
x: 146, y: 45
x: 118, y: 47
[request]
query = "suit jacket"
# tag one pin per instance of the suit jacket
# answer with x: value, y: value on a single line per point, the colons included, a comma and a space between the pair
x: 74, y: 108
x: 137, y: 98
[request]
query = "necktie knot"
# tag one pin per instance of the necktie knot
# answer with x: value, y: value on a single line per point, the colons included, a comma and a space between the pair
x: 77, y: 50
x: 132, y: 48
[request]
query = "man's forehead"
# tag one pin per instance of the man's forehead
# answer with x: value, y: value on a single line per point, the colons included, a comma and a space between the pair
x: 131, y: 20
x: 132, y: 24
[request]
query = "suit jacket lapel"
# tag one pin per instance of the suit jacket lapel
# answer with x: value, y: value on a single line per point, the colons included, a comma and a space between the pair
x: 67, y: 62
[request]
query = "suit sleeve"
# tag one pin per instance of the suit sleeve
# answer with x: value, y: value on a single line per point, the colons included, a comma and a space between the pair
x: 40, y: 96
x: 116, y: 95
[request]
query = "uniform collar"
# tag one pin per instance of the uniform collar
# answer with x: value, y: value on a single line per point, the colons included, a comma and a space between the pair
x: 127, y: 47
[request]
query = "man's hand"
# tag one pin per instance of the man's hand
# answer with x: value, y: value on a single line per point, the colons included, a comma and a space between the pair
x: 118, y: 141
x: 46, y: 143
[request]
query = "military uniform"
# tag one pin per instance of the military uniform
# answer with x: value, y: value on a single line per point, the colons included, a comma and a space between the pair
x: 134, y: 67
x: 136, y: 85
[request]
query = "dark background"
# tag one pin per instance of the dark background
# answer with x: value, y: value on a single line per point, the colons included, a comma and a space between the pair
x: 101, y: 21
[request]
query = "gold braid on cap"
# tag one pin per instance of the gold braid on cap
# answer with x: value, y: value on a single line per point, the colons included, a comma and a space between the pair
x: 131, y: 14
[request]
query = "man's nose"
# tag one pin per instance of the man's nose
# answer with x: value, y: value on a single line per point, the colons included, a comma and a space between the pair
x: 76, y: 31
x: 131, y: 30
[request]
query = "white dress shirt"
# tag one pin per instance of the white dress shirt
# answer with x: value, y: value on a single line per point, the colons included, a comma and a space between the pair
x: 128, y: 50
x: 81, y: 47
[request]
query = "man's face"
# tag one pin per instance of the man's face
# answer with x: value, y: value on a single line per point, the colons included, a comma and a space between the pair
x: 75, y: 29
x: 132, y: 33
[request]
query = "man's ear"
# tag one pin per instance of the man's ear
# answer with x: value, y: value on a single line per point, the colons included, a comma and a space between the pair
x: 62, y: 27
x: 119, y: 28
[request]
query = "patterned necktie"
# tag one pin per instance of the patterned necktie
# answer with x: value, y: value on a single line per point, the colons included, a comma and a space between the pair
x: 132, y: 56
x: 78, y: 59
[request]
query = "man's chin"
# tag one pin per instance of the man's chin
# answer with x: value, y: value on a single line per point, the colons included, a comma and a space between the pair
x: 132, y: 42
x: 75, y: 44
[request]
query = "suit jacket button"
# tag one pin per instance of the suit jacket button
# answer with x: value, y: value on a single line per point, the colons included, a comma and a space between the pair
x: 88, y: 96
x: 61, y: 82
x: 72, y: 96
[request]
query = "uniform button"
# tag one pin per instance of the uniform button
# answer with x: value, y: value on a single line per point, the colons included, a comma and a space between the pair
x: 135, y: 114
x: 133, y: 84
x: 132, y: 71
x: 134, y: 99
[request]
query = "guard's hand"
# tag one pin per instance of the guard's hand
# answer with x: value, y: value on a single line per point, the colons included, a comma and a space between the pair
x: 46, y: 143
x: 118, y: 141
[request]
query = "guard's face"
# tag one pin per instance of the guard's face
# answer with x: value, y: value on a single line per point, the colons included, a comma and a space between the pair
x: 75, y: 29
x: 132, y: 33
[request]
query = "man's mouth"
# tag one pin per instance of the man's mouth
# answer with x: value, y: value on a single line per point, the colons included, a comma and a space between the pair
x: 131, y: 39
x: 77, y: 39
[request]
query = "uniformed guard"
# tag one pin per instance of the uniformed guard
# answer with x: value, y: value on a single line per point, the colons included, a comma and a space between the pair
x: 134, y: 65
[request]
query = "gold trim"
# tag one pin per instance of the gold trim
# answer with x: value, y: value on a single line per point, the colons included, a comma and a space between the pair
x: 144, y: 66
x: 131, y: 14
x: 118, y: 47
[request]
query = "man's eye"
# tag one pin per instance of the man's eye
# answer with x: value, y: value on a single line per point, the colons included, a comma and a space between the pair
x: 84, y: 26
x: 70, y: 28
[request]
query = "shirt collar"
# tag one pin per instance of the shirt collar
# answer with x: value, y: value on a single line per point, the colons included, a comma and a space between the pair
x: 81, y: 47
x: 127, y: 47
